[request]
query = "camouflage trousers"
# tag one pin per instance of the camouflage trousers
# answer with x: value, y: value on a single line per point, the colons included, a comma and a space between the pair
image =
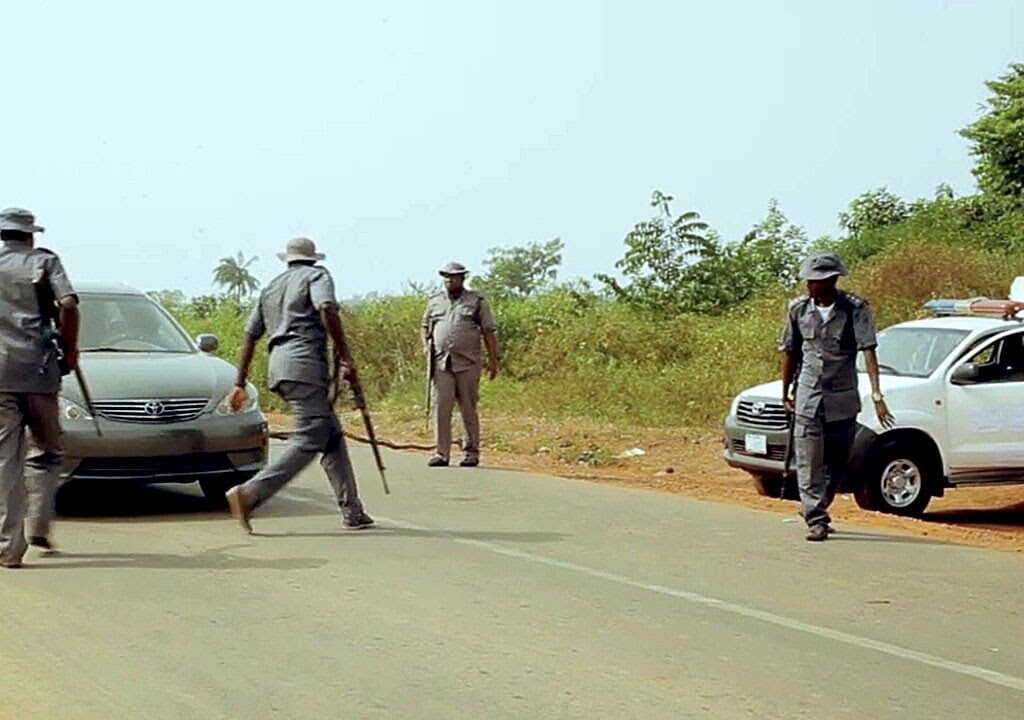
x: 822, y: 454
x: 27, y: 486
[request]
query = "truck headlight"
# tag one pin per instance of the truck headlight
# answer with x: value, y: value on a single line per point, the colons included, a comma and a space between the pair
x: 71, y: 410
x: 252, y: 401
x: 735, y: 405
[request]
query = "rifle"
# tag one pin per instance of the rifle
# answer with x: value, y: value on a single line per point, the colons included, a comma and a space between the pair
x: 53, y: 344
x: 360, y: 402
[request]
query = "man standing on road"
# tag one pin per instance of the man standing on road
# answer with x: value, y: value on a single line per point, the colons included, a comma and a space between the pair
x: 452, y: 325
x: 299, y: 311
x: 30, y: 379
x: 823, y: 332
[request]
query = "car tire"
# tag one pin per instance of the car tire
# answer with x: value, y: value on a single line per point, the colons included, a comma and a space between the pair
x: 898, y: 479
x: 771, y: 486
x: 214, y: 489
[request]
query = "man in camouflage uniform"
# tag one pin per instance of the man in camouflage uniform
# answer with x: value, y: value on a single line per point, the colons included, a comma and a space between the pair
x: 823, y: 332
x: 453, y: 324
x: 30, y: 379
x: 299, y: 312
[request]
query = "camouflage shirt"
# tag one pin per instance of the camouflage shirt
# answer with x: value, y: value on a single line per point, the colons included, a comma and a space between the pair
x: 24, y: 364
x: 288, y: 312
x: 827, y: 353
x: 456, y: 326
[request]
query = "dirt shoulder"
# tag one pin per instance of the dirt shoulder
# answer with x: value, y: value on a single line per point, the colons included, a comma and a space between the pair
x: 688, y: 462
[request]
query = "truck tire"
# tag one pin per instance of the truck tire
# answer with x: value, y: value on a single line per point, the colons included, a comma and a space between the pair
x: 898, y: 479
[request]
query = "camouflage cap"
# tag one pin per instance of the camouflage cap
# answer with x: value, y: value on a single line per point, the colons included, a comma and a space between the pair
x: 822, y: 266
x: 453, y: 268
x: 20, y: 220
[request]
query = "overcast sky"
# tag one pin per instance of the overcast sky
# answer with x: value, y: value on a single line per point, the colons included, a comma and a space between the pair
x: 399, y: 135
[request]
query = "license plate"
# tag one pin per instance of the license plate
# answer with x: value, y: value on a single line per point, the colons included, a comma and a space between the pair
x: 756, y: 444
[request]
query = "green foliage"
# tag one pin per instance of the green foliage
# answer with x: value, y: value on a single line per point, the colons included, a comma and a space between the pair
x: 658, y: 253
x: 234, y: 276
x: 520, y: 271
x: 873, y: 210
x: 678, y: 265
x: 997, y: 138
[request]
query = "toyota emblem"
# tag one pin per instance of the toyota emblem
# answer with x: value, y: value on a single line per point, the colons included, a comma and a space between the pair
x: 154, y: 408
x: 758, y: 408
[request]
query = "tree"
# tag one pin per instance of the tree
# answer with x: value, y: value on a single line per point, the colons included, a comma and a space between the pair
x: 770, y: 252
x: 234, y: 276
x: 997, y: 138
x: 658, y: 253
x: 522, y: 270
x: 171, y: 300
x: 873, y: 210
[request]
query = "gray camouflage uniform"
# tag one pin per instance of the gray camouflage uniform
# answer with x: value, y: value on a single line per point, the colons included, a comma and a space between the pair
x: 827, y: 396
x: 30, y: 380
x: 457, y: 327
x: 289, y: 313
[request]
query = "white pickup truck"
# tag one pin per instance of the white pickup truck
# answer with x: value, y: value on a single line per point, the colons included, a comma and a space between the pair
x: 954, y: 382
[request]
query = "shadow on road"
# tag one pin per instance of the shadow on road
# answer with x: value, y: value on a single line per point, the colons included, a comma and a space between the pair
x: 1010, y: 516
x: 97, y: 502
x: 386, y: 531
x: 851, y: 536
x: 212, y: 559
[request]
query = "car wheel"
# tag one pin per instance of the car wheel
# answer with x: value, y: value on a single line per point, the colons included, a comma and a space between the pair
x: 214, y: 489
x: 898, y: 479
x: 771, y: 486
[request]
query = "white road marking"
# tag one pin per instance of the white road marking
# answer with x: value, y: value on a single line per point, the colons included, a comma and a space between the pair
x: 991, y: 676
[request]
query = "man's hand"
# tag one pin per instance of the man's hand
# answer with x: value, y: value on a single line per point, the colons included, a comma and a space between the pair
x: 788, y: 405
x: 493, y: 368
x: 237, y: 399
x: 884, y: 416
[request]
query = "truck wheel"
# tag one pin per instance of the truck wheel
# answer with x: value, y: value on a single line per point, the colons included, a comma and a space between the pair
x: 898, y: 479
x: 771, y: 485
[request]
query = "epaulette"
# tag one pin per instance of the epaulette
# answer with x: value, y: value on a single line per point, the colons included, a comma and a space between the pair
x: 855, y: 300
x: 45, y: 251
x: 797, y: 302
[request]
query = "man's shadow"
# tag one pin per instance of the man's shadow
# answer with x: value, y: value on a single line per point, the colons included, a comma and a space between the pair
x: 120, y: 502
x: 211, y: 559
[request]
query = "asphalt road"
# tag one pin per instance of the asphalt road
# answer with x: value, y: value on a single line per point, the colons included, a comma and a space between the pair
x: 493, y: 594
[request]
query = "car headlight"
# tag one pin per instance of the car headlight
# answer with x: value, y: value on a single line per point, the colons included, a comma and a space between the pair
x: 252, y: 401
x: 71, y: 410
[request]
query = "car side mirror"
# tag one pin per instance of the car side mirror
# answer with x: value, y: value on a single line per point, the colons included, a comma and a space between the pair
x: 208, y: 343
x: 966, y: 374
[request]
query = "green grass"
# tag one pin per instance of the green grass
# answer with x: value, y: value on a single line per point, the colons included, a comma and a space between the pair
x: 572, y: 355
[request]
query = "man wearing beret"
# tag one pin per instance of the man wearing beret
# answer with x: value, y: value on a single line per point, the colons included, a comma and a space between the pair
x: 823, y: 332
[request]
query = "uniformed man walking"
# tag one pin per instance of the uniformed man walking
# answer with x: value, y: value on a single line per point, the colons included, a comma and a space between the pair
x: 822, y: 334
x: 30, y: 379
x: 299, y: 311
x: 453, y: 324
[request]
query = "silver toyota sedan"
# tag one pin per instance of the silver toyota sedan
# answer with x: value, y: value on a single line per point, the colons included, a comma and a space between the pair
x: 160, y: 399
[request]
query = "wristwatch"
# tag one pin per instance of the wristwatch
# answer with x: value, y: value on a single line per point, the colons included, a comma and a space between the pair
x: 877, y: 397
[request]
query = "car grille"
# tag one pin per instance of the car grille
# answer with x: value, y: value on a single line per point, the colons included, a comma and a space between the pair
x: 152, y: 467
x: 151, y: 411
x: 775, y: 452
x: 763, y: 415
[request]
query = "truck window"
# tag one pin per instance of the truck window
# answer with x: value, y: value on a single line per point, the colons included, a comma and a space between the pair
x: 1002, y: 361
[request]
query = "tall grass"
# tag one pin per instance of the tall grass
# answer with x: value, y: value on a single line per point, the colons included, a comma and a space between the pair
x: 570, y: 354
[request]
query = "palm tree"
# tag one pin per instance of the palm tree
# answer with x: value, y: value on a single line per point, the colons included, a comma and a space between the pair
x: 233, y: 275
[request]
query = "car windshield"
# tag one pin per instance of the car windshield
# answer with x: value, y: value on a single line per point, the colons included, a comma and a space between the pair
x: 914, y: 351
x: 128, y: 323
